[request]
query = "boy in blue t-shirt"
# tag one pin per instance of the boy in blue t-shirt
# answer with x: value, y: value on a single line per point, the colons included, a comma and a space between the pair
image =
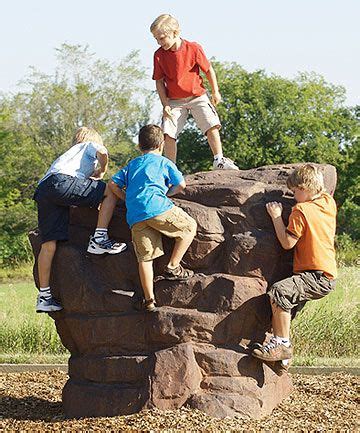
x: 145, y: 184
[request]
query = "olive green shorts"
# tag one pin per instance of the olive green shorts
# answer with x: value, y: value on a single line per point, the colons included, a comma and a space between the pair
x: 300, y: 288
x: 147, y: 235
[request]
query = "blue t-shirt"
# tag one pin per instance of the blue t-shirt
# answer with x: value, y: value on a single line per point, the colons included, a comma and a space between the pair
x: 147, y: 179
x: 78, y: 161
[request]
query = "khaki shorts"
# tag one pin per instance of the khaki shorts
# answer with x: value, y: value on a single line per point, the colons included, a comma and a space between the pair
x: 295, y: 291
x: 146, y: 235
x: 201, y: 109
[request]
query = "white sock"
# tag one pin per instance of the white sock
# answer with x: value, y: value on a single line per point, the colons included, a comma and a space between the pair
x: 101, y: 234
x: 45, y: 292
x: 284, y: 341
x: 218, y: 156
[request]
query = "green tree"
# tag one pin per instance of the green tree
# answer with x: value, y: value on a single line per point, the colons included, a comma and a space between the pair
x: 37, y: 124
x: 273, y: 120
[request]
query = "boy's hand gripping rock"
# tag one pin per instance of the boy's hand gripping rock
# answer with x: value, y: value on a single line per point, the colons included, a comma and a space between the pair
x: 274, y: 209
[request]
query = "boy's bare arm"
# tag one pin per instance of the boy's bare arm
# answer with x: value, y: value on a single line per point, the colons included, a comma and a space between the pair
x: 116, y: 190
x: 287, y: 241
x: 161, y: 89
x: 215, y: 94
x: 103, y: 158
x: 173, y: 190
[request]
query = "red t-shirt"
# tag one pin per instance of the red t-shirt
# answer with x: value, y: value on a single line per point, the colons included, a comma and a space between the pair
x: 180, y: 70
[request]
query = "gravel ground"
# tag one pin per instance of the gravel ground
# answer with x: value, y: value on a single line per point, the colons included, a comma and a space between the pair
x: 32, y: 401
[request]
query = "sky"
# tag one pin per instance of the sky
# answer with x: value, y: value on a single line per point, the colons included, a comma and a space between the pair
x: 283, y: 37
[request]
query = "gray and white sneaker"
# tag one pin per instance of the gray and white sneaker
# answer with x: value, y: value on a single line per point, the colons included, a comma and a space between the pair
x: 47, y: 305
x: 224, y: 164
x: 107, y: 246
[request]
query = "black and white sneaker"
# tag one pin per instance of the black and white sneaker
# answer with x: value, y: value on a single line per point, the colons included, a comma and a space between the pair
x: 108, y: 246
x: 47, y: 305
x: 224, y: 164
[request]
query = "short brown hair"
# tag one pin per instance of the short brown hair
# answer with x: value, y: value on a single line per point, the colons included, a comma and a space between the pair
x: 307, y: 177
x: 84, y: 134
x: 151, y: 137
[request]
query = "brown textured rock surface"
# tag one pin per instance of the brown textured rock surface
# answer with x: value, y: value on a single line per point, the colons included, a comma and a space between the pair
x: 192, y: 350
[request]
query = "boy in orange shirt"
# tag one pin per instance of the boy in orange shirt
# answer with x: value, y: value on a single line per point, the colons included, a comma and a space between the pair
x: 311, y: 230
x: 177, y: 65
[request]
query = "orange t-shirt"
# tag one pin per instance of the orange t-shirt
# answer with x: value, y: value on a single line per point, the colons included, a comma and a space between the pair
x: 180, y: 70
x: 314, y: 223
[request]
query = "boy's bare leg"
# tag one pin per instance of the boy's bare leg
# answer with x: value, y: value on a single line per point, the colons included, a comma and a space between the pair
x: 170, y: 148
x: 220, y: 162
x: 213, y: 137
x: 180, y: 248
x: 281, y: 320
x: 45, y: 260
x: 146, y: 273
x: 106, y: 208
x: 279, y: 348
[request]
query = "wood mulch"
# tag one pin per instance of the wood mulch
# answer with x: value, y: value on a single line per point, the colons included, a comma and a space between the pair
x: 32, y: 401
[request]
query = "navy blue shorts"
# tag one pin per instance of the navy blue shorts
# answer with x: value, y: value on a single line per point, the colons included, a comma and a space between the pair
x: 56, y: 194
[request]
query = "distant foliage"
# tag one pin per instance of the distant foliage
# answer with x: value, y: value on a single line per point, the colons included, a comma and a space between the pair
x: 265, y: 120
x: 272, y: 120
x: 37, y: 124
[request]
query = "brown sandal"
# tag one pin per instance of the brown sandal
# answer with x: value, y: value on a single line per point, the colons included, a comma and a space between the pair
x: 145, y: 305
x: 178, y: 274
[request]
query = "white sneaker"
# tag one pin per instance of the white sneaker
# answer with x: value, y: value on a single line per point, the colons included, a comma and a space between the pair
x: 47, y: 305
x: 224, y: 164
x: 109, y: 246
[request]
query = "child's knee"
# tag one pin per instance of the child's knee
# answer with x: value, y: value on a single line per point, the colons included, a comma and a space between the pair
x: 48, y: 247
x: 109, y: 194
x: 192, y: 227
x: 280, y: 296
x: 213, y: 132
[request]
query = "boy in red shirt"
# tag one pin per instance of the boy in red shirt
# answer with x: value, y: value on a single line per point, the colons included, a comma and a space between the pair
x: 177, y: 65
x: 311, y: 230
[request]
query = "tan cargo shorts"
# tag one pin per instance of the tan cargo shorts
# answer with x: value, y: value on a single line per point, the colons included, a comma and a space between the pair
x: 200, y: 107
x: 295, y: 291
x: 146, y: 235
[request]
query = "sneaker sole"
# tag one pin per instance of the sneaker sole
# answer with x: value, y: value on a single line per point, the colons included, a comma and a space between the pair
x: 48, y: 310
x: 267, y: 359
x: 100, y: 252
x: 177, y: 279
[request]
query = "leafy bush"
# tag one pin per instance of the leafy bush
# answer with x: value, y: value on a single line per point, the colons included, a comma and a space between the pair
x: 15, y: 221
x: 347, y: 250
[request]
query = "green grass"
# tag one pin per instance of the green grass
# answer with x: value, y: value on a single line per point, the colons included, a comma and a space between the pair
x: 24, y: 334
x: 324, y: 333
x: 328, y: 328
x: 21, y: 273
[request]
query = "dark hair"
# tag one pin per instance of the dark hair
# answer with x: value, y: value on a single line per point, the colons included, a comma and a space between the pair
x: 151, y: 137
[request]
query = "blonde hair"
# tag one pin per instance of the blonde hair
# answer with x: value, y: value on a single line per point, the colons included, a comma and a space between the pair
x: 165, y: 23
x: 84, y: 133
x: 307, y: 177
